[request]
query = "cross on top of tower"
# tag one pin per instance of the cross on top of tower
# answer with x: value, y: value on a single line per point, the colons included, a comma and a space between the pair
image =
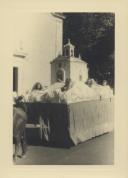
x: 69, y: 42
x: 69, y: 49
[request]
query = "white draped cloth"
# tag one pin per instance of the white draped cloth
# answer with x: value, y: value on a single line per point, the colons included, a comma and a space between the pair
x: 78, y: 92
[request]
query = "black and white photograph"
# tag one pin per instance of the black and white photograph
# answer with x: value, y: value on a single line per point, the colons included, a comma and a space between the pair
x: 63, y: 73
x: 63, y: 88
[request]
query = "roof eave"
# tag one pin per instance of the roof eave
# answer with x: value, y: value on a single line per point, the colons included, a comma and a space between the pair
x: 58, y: 15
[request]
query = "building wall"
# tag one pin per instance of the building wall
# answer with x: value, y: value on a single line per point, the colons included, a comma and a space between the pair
x: 73, y: 69
x: 77, y: 69
x: 54, y: 67
x: 40, y: 36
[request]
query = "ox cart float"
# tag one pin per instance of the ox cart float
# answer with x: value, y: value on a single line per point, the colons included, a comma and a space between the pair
x: 70, y: 124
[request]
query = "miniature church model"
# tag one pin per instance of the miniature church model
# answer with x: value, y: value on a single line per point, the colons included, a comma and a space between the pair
x: 68, y: 66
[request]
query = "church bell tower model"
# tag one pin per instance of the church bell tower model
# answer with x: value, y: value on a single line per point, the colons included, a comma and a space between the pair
x: 68, y: 66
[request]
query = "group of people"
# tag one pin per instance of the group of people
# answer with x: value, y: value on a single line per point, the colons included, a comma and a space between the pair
x: 41, y: 93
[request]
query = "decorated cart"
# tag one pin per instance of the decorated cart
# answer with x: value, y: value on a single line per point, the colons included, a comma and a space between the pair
x: 70, y: 124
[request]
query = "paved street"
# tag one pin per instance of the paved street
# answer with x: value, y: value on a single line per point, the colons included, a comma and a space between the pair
x: 97, y: 151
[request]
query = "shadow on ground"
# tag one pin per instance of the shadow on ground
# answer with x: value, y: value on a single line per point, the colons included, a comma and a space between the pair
x: 96, y: 151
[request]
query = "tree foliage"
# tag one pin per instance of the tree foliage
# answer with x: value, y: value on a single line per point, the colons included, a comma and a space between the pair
x: 93, y: 36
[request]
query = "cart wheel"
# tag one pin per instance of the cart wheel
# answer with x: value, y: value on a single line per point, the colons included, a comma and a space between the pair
x: 41, y: 127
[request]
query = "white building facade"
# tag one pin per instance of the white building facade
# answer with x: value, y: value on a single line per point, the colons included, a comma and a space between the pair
x: 37, y: 40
